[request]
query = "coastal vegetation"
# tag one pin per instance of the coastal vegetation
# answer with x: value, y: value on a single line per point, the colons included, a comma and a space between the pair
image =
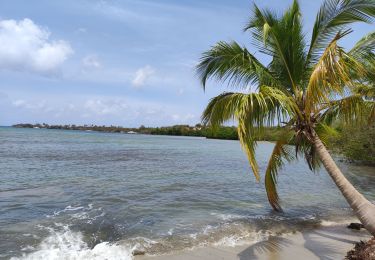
x: 308, y: 85
x: 222, y: 132
x: 354, y: 143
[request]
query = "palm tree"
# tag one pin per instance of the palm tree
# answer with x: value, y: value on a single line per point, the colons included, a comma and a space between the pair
x: 305, y: 87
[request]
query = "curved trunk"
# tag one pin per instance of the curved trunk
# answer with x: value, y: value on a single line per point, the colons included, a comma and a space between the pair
x: 363, y: 208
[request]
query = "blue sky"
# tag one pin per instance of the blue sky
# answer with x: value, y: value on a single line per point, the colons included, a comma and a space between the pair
x: 128, y: 62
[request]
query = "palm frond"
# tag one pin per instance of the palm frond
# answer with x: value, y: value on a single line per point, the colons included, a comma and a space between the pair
x: 267, y: 107
x: 325, y: 132
x: 253, y: 111
x: 235, y: 64
x: 249, y: 110
x: 332, y: 17
x: 364, y: 53
x: 330, y: 75
x: 247, y: 137
x: 281, y: 152
x: 367, y: 91
x: 365, y: 47
x: 281, y: 38
x: 349, y: 109
x: 306, y: 149
x: 368, y: 94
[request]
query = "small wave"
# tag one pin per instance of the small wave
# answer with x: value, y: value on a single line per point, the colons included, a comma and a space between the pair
x: 66, y: 209
x: 67, y: 244
x: 232, y: 234
x: 88, y: 213
x: 225, y: 230
x: 227, y: 216
x: 142, y: 243
x: 247, y: 238
x: 329, y: 223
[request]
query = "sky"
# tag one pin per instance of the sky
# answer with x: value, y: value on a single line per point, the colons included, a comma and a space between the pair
x: 126, y: 63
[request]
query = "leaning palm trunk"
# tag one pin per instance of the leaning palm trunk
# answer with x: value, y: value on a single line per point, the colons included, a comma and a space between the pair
x: 363, y: 208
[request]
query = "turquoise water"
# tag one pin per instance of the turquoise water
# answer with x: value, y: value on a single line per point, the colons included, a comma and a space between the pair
x: 79, y: 195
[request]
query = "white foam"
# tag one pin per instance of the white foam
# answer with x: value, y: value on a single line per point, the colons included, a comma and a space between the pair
x: 27, y: 248
x: 229, y: 241
x: 207, y: 229
x: 247, y: 238
x: 328, y: 223
x: 70, y: 208
x: 67, y: 244
x: 194, y: 235
x: 226, y: 216
x: 80, y: 213
x: 142, y: 243
x: 308, y: 217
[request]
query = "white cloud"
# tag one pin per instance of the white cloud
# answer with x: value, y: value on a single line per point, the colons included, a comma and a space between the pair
x: 142, y: 75
x: 91, y: 61
x: 96, y: 110
x: 183, y: 118
x: 127, y: 14
x: 181, y: 91
x: 105, y: 107
x: 27, y: 46
x: 19, y: 103
x: 37, y: 106
x: 81, y: 30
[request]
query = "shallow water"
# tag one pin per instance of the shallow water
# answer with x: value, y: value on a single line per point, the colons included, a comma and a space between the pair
x: 79, y: 195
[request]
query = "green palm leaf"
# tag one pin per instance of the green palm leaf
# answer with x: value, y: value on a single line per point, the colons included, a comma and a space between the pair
x: 353, y: 108
x: 281, y: 152
x: 282, y: 38
x: 364, y: 48
x: 231, y: 62
x: 331, y: 74
x: 333, y: 16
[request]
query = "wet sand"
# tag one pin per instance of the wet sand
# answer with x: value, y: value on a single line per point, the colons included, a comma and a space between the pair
x: 324, y: 243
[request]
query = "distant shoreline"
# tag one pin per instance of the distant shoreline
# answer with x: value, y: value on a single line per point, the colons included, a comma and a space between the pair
x: 226, y: 133
x: 346, y: 149
x: 222, y: 133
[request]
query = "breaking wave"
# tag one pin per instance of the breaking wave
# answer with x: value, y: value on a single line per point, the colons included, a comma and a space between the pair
x: 67, y: 244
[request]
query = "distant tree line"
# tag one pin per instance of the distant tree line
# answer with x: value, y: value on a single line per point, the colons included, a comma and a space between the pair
x: 354, y: 142
x: 224, y: 132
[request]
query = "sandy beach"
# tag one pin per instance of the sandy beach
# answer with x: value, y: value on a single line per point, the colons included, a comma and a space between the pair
x: 331, y: 242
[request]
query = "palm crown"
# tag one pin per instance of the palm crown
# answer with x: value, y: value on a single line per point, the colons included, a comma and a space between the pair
x: 305, y: 87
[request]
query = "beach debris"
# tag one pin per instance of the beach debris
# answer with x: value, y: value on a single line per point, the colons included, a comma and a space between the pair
x: 138, y: 252
x: 362, y: 251
x: 356, y: 226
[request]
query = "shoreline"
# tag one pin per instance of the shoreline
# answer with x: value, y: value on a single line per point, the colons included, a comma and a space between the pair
x: 328, y: 242
x: 193, y: 132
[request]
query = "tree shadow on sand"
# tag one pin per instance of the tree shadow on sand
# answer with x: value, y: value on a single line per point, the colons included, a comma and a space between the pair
x: 319, y: 243
x: 320, y: 249
x: 271, y: 246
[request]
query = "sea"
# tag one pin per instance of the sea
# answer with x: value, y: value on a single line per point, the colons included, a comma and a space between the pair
x: 92, y: 195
